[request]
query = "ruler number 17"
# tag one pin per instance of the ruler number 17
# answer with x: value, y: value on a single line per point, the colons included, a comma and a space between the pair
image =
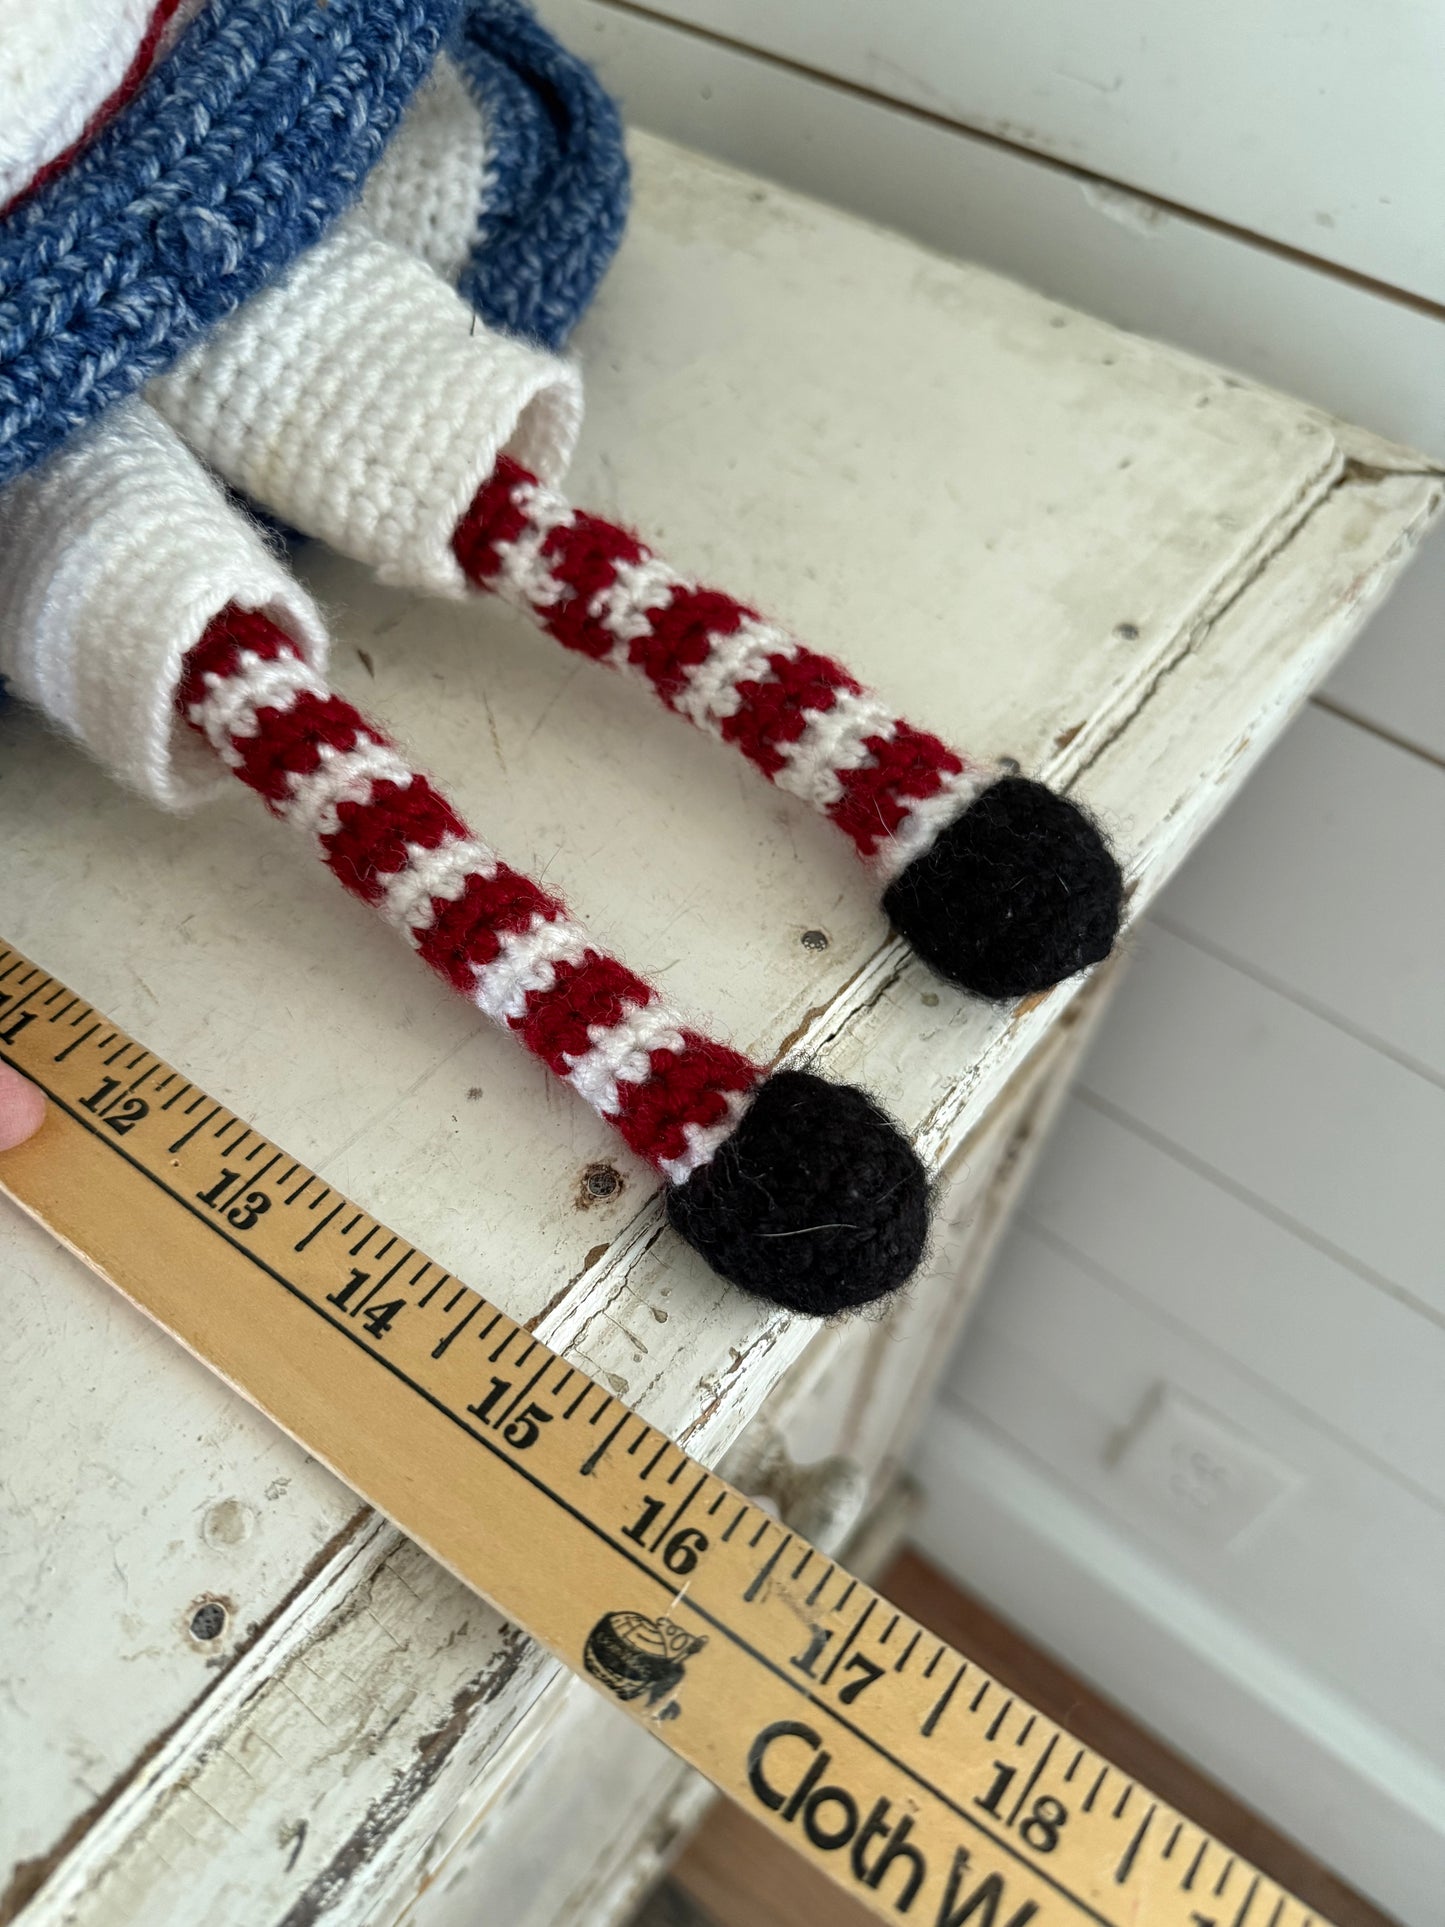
x: 867, y: 1670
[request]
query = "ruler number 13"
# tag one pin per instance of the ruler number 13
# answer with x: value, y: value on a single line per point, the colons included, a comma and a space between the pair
x: 248, y: 1212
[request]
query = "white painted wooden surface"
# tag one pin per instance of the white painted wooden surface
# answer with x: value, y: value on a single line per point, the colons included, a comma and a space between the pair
x: 966, y: 491
x: 1126, y: 255
x: 1313, y: 122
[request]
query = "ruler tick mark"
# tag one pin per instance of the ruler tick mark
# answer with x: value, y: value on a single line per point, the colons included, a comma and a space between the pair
x: 766, y: 1569
x: 1247, y: 1903
x: 802, y: 1565
x: 319, y: 1226
x: 590, y: 1465
x: 1032, y: 1781
x: 605, y: 1406
x: 1021, y: 1737
x: 904, y: 1657
x: 1121, y: 1872
x: 637, y: 1444
x: 362, y: 1242
x: 300, y: 1187
x: 1075, y: 1764
x: 506, y: 1340
x: 1093, y: 1792
x: 456, y: 1298
x: 431, y: 1290
x: 487, y: 1329
x: 817, y: 1593
x: 1223, y: 1879
x: 839, y: 1604
x: 737, y: 1519
x: 999, y: 1717
x: 720, y: 1500
x: 186, y: 1137
x: 120, y: 1052
x: 980, y: 1696
x: 347, y: 1229
x: 256, y: 1176
x: 940, y: 1705
x: 456, y: 1330
x: 1172, y: 1841
x: 761, y: 1534
x: 858, y: 1624
x: 932, y: 1665
x: 60, y: 1056
x: 577, y: 1403
x: 1188, y: 1881
x: 497, y: 1424
x: 1123, y: 1801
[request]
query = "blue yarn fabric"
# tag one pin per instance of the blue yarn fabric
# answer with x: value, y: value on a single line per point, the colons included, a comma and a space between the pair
x: 239, y: 151
x: 559, y: 192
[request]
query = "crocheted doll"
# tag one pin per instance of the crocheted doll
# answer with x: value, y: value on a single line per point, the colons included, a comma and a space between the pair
x: 323, y: 252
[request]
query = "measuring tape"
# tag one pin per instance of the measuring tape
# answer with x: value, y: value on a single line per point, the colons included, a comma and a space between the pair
x: 886, y: 1758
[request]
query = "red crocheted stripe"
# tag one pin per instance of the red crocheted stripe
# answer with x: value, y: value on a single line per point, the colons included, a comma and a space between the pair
x: 585, y: 555
x: 907, y: 767
x: 218, y: 653
x: 289, y: 742
x: 776, y: 711
x: 684, y: 1087
x: 492, y: 519
x: 681, y: 637
x: 596, y: 993
x: 370, y: 844
x: 466, y: 935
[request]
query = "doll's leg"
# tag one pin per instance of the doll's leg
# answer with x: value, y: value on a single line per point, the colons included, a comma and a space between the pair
x: 360, y: 401
x: 794, y: 1188
x: 1001, y: 885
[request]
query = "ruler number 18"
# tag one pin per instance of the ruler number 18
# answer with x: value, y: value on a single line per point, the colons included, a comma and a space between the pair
x: 1045, y: 1819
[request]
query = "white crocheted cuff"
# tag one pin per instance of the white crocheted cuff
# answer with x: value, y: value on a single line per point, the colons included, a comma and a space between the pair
x: 115, y: 556
x: 362, y: 401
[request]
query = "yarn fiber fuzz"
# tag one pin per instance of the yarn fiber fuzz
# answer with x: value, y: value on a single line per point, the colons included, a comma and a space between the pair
x: 1018, y: 892
x: 816, y: 1201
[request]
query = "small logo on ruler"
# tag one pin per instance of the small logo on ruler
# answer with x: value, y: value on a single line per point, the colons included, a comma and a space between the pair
x: 633, y: 1655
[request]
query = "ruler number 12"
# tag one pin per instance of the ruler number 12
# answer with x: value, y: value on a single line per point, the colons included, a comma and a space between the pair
x: 125, y: 1116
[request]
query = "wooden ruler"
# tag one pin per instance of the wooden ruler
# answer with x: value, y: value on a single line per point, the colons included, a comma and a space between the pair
x: 890, y: 1760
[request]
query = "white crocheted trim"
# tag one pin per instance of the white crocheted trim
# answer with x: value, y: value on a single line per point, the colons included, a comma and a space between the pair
x: 362, y: 401
x: 431, y: 187
x: 115, y: 556
x: 61, y: 62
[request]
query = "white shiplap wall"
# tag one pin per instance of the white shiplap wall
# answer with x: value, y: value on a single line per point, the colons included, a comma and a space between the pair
x: 1243, y: 1200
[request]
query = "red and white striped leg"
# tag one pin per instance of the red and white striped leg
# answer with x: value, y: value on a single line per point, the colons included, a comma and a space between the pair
x: 1001, y: 885
x: 746, y: 1179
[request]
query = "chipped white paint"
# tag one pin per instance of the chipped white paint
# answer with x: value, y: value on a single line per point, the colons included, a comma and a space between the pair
x: 1036, y: 535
